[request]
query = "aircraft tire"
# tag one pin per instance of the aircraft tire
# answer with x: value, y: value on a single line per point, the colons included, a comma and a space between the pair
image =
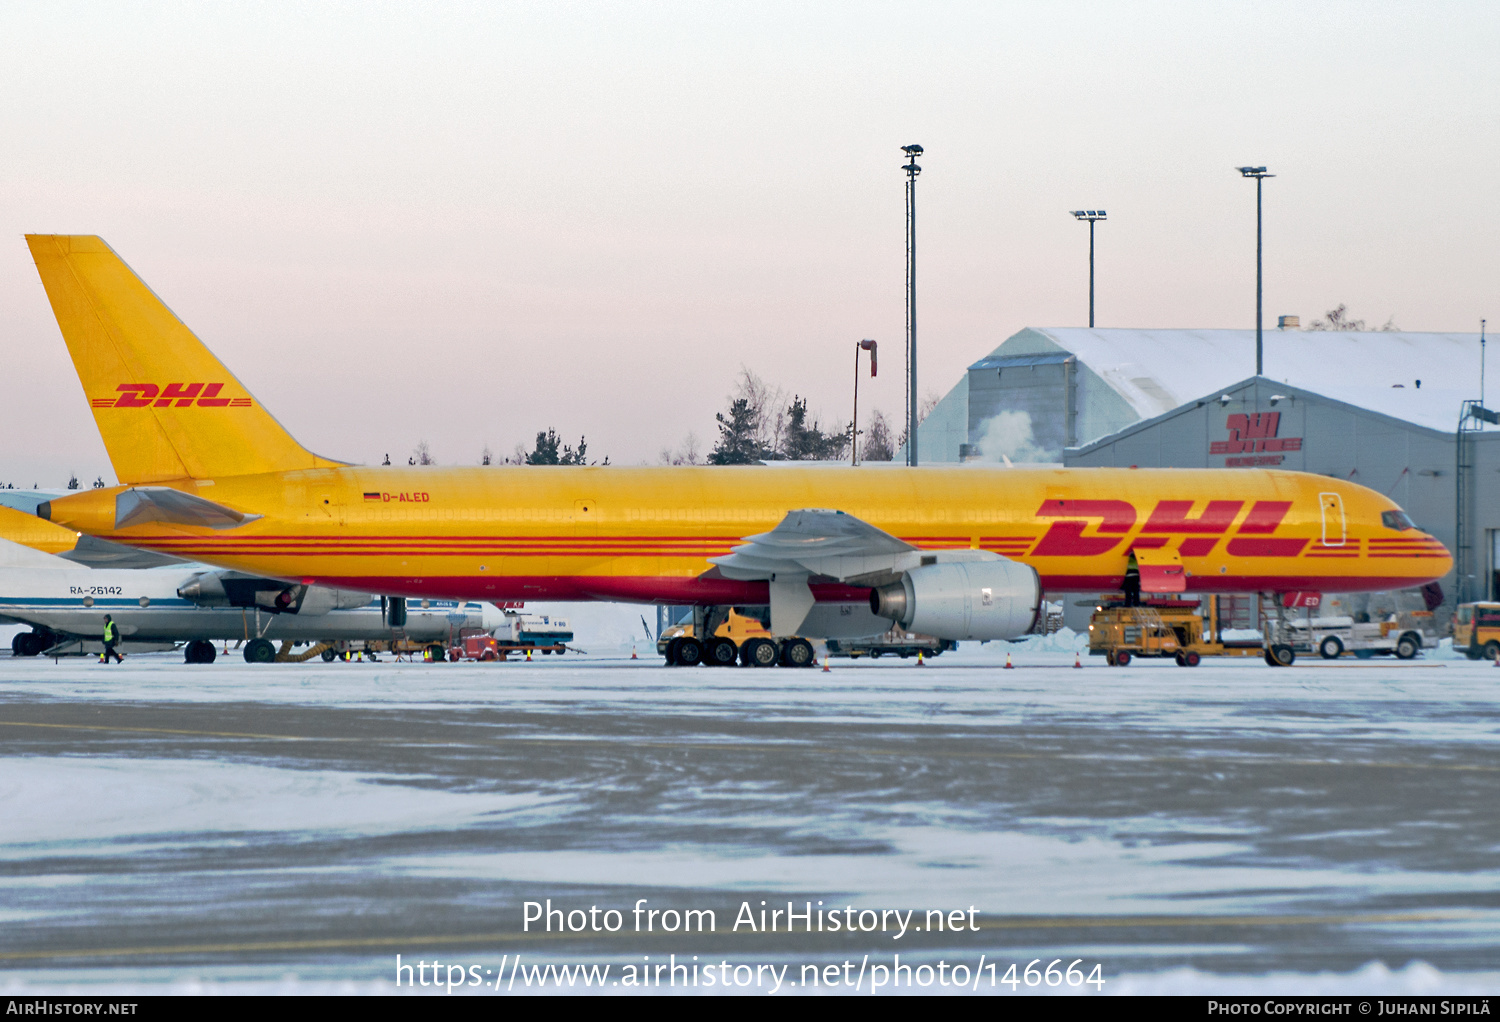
x: 26, y: 644
x: 1330, y: 648
x: 689, y: 652
x: 721, y: 653
x: 671, y: 653
x: 259, y: 651
x: 759, y: 652
x: 798, y: 653
x: 199, y: 651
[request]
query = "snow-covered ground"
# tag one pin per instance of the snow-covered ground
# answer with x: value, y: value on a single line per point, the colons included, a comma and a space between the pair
x: 1228, y: 828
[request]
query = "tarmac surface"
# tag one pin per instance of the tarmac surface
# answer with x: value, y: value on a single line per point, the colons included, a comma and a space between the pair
x: 238, y: 824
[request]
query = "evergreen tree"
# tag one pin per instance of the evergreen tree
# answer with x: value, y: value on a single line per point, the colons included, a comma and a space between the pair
x: 804, y: 442
x: 737, y: 442
x: 550, y: 450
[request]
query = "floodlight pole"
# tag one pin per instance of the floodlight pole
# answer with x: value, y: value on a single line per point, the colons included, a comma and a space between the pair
x: 865, y: 345
x: 1259, y: 173
x: 1093, y: 216
x: 912, y: 170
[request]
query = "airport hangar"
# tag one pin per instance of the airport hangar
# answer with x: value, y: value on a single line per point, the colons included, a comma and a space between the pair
x: 1376, y: 407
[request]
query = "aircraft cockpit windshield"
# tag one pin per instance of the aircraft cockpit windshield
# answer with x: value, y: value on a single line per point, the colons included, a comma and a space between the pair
x: 1398, y: 520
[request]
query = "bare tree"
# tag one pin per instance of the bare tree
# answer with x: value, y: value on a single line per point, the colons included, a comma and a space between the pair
x: 687, y: 452
x: 1339, y: 319
x: 879, y: 445
x: 487, y: 456
x: 422, y: 455
x: 766, y: 404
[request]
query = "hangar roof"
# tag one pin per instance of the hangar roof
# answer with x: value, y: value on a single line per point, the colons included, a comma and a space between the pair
x: 1158, y: 370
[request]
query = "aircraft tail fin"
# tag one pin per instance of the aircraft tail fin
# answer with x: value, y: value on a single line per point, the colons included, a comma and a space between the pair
x: 165, y: 406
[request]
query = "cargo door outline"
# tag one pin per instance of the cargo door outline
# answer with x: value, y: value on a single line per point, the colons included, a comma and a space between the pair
x: 1331, y: 506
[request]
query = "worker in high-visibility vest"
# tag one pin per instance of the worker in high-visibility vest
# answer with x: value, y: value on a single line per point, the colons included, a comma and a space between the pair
x: 111, y: 636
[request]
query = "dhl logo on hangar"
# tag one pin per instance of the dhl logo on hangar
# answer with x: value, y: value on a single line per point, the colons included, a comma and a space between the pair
x: 183, y: 395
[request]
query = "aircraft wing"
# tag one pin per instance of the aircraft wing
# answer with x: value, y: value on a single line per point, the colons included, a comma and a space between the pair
x: 818, y: 542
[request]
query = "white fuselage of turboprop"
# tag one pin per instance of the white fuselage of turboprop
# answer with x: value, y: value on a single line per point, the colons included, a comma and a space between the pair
x: 55, y: 594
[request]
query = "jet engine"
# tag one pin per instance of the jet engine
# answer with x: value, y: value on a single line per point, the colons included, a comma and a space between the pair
x: 980, y: 600
x: 236, y: 589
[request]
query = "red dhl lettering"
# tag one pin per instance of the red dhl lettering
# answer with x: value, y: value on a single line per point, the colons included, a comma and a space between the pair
x: 182, y: 395
x: 1066, y: 538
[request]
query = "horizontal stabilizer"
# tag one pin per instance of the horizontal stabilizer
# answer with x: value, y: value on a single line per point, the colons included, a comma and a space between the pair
x: 93, y: 552
x: 161, y: 504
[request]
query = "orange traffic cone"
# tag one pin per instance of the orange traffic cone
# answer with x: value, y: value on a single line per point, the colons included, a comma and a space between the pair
x: 825, y: 663
x: 632, y: 654
x: 528, y: 654
x: 1008, y: 665
x: 1077, y: 660
x: 919, y: 659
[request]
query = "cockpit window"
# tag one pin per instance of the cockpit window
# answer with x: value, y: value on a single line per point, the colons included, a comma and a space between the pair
x: 1397, y: 520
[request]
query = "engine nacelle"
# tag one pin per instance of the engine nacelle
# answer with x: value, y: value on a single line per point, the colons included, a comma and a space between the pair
x: 319, y: 600
x: 980, y: 600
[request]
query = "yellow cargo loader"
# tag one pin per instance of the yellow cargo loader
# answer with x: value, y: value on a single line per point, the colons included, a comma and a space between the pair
x: 1169, y: 628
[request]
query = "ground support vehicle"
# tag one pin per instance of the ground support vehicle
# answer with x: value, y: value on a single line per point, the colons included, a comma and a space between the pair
x: 486, y: 647
x: 1120, y: 631
x: 1398, y: 623
x: 1332, y: 637
x: 1476, y: 630
x: 736, y: 635
x: 896, y: 642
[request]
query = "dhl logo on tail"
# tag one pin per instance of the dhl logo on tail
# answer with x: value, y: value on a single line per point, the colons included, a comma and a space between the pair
x: 183, y: 395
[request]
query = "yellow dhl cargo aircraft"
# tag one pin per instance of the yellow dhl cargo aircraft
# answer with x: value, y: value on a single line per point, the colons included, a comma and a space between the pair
x: 963, y: 552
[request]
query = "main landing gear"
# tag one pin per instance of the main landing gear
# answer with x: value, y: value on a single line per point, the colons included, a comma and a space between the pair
x: 688, y: 651
x: 723, y: 651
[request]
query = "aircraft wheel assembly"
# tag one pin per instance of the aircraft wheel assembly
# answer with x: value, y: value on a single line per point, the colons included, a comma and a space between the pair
x: 798, y: 653
x: 27, y: 644
x: 689, y: 652
x: 760, y: 653
x: 260, y: 651
x: 1331, y: 648
x: 721, y: 653
x: 199, y: 651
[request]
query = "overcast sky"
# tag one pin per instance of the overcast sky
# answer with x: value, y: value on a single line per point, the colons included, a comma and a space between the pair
x: 466, y: 223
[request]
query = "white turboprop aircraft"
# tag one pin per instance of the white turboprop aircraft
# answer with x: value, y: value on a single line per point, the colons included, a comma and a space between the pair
x: 156, y: 608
